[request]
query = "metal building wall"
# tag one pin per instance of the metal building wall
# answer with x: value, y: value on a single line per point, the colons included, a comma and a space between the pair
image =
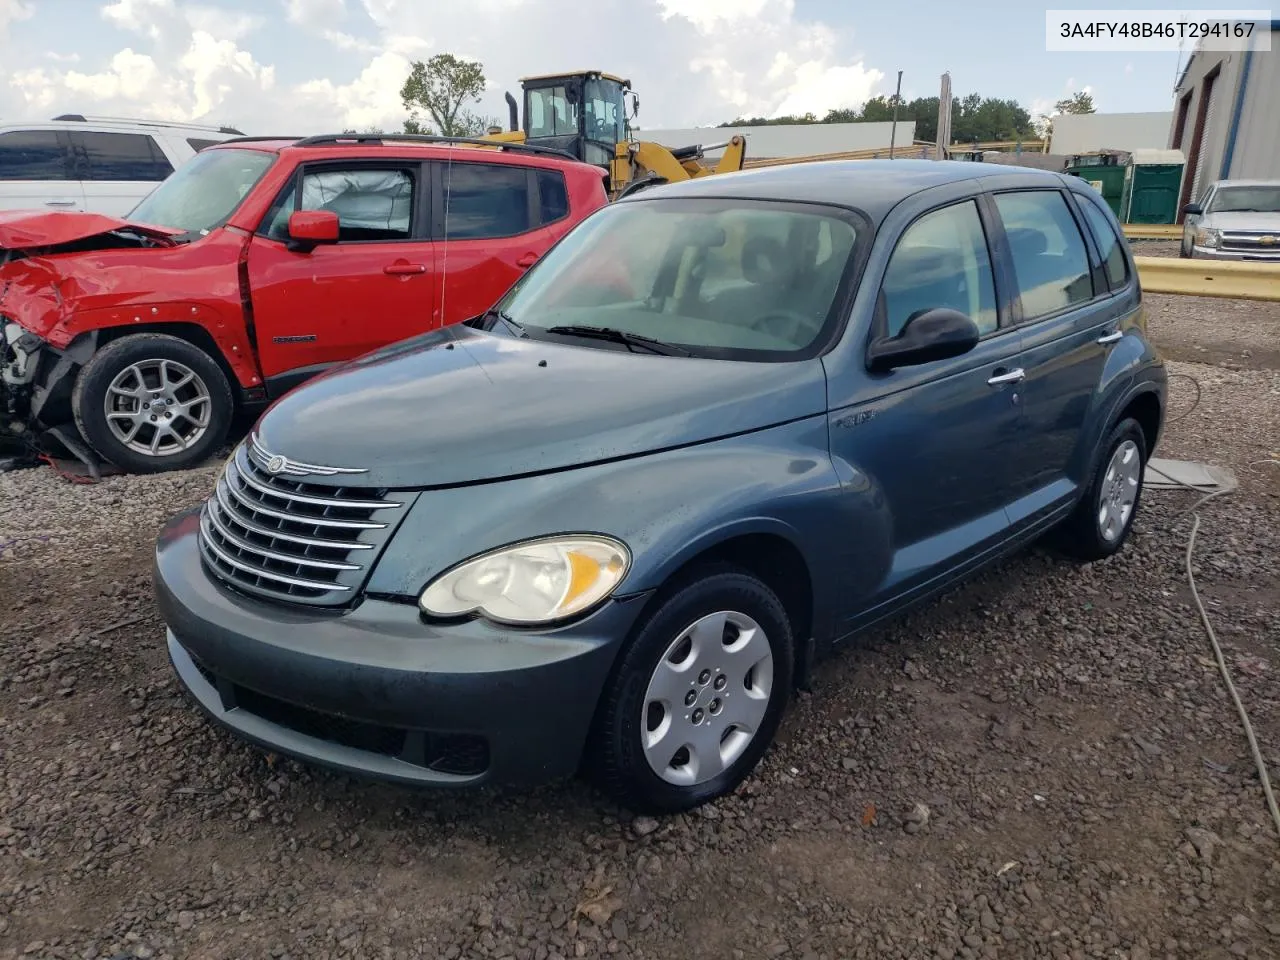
x: 1217, y: 120
x: 1256, y: 153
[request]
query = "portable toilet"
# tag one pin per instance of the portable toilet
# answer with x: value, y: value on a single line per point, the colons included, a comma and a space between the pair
x: 1102, y: 171
x: 1152, y: 179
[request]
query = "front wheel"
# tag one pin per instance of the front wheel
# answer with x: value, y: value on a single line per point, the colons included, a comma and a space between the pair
x: 152, y: 402
x: 698, y: 694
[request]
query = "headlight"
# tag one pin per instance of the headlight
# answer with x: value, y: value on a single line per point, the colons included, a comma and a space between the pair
x: 1207, y: 237
x: 533, y: 582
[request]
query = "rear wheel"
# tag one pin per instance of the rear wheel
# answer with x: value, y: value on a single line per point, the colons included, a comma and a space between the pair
x: 1104, y: 516
x: 152, y: 402
x: 697, y: 696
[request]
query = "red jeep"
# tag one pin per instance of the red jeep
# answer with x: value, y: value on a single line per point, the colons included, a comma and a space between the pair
x: 256, y: 265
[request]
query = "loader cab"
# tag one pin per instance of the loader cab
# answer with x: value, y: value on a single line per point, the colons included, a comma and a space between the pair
x: 584, y: 114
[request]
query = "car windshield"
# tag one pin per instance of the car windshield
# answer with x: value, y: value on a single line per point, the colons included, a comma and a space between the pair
x: 754, y: 280
x: 204, y: 191
x: 1263, y: 198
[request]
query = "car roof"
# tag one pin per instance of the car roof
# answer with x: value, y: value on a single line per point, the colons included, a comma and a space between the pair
x: 872, y: 186
x: 500, y: 152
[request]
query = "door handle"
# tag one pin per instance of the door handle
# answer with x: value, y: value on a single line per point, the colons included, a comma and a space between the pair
x: 400, y: 268
x: 526, y: 260
x: 59, y: 203
x: 1013, y: 376
x: 1111, y: 337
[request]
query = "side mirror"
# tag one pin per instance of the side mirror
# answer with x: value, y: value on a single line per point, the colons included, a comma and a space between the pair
x: 309, y: 228
x: 1194, y: 209
x: 937, y: 334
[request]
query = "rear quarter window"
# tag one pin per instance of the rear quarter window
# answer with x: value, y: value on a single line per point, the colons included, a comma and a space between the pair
x: 553, y: 196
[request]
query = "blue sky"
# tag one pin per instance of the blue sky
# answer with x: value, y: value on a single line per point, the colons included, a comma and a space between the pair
x: 300, y: 66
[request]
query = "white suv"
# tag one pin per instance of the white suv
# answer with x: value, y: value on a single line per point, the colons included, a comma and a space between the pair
x: 98, y: 164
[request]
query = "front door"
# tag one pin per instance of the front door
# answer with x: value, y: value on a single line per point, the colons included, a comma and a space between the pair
x: 1069, y: 322
x: 375, y: 286
x: 931, y: 443
x: 36, y: 172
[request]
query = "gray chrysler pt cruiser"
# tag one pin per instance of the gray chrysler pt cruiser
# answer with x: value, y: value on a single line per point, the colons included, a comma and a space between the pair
x: 720, y: 428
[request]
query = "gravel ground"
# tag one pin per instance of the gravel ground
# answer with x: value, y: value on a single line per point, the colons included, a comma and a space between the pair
x: 1043, y: 763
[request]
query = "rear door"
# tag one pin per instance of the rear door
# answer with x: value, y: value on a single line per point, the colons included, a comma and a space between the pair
x: 1069, y: 319
x: 492, y: 222
x: 117, y: 169
x: 376, y: 285
x: 36, y: 171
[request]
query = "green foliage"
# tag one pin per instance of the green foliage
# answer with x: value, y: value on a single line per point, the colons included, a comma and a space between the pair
x: 1081, y: 102
x: 973, y: 117
x: 436, y: 92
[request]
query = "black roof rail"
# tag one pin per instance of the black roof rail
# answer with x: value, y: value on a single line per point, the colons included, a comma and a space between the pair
x: 333, y: 139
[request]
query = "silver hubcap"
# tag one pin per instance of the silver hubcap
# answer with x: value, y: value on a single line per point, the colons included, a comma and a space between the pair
x: 707, y: 698
x: 1119, y: 491
x: 158, y: 407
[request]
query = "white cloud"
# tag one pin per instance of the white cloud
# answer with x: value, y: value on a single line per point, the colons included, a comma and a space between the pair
x: 691, y: 64
x: 63, y: 57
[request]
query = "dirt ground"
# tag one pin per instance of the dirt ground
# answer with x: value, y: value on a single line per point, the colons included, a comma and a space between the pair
x: 1044, y: 763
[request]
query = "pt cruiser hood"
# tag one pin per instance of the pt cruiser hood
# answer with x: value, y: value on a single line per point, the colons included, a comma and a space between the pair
x: 462, y: 406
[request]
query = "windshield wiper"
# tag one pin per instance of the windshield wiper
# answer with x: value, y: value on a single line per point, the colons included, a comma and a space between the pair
x: 630, y: 340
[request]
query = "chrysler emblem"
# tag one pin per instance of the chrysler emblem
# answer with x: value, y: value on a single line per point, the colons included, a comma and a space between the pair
x: 276, y: 464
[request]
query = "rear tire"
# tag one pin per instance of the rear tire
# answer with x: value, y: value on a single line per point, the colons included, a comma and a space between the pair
x: 697, y: 695
x: 152, y: 402
x: 1103, y: 519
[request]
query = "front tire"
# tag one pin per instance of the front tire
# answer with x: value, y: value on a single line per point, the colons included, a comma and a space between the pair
x: 697, y: 696
x: 1102, y: 520
x: 152, y: 402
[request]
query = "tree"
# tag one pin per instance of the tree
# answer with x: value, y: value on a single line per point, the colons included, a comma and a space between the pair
x: 435, y: 92
x: 366, y: 132
x: 1081, y: 102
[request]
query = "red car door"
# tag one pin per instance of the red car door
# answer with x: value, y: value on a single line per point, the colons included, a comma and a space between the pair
x: 337, y: 301
x: 493, y: 221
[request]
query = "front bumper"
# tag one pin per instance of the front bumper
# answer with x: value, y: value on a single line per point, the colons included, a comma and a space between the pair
x: 1217, y: 253
x: 376, y: 692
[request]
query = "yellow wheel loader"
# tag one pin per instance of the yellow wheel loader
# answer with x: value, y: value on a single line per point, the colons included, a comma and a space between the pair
x: 585, y: 114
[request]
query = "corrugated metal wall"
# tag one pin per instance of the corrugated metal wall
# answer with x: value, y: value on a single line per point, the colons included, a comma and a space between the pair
x: 1257, y: 150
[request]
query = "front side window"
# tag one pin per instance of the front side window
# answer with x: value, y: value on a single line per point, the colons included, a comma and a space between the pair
x: 550, y: 114
x: 120, y: 156
x: 32, y: 155
x: 941, y: 261
x: 719, y: 278
x: 1050, y: 261
x: 485, y: 200
x: 1245, y: 199
x: 604, y: 110
x: 204, y: 191
x: 1108, y: 242
x: 371, y: 204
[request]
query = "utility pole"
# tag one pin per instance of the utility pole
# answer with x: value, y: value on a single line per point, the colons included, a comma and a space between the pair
x: 944, y: 119
x: 897, y: 98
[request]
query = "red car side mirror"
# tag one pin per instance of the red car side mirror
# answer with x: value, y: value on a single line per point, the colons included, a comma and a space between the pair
x: 313, y: 226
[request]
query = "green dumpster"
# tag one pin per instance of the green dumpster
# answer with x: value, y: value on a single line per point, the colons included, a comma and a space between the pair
x: 1152, y: 181
x: 1102, y: 171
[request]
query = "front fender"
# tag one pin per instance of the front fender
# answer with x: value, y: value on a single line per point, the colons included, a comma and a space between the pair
x: 667, y: 507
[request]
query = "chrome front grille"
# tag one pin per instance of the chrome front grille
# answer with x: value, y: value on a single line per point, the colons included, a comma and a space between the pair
x: 282, y: 537
x: 1254, y: 242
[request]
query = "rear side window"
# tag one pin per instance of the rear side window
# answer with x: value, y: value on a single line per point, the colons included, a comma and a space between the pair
x: 120, y: 156
x: 198, y: 145
x: 485, y: 200
x: 1108, y: 242
x: 553, y: 197
x: 1050, y: 262
x: 32, y: 155
x: 941, y: 261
